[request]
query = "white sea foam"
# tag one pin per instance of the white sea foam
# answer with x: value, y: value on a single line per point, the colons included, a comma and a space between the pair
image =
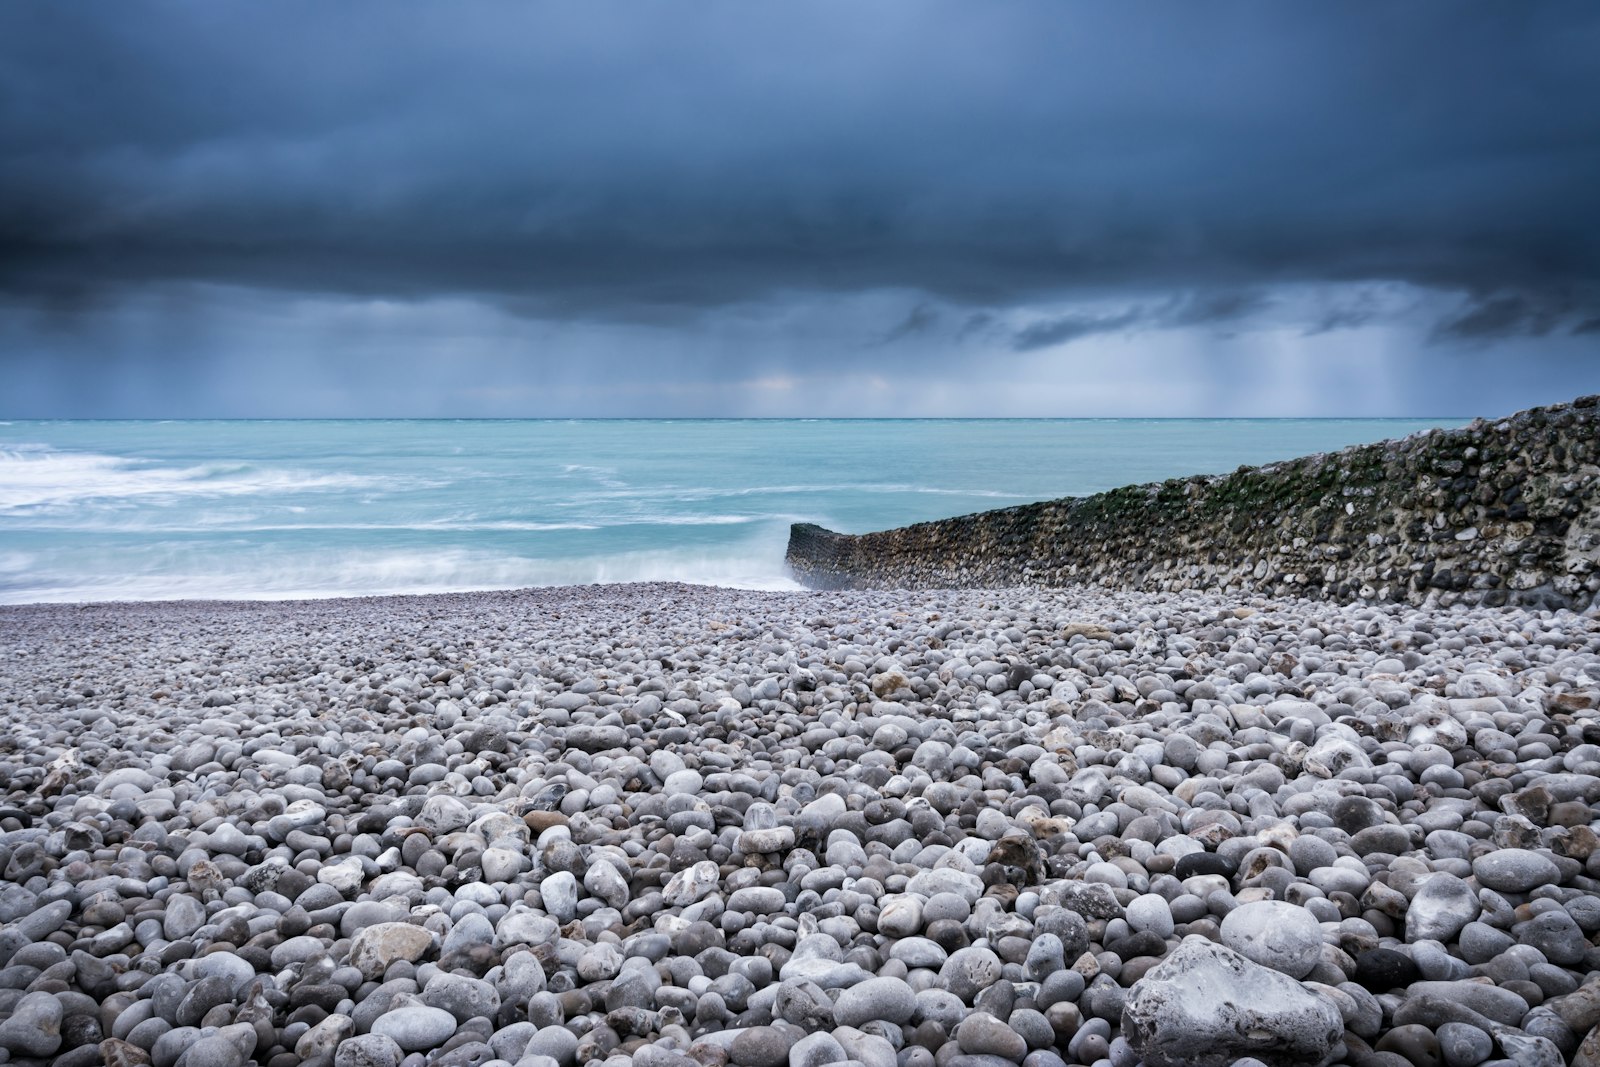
x: 37, y: 476
x: 325, y: 574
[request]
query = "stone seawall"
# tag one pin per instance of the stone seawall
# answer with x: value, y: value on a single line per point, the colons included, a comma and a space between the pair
x: 1499, y: 512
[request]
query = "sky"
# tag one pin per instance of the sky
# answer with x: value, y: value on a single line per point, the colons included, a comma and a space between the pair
x: 1147, y: 208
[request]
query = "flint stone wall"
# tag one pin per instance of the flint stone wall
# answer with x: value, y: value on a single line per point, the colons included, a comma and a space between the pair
x: 1499, y: 512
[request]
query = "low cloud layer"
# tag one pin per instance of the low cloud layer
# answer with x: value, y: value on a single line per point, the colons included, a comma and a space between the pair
x: 960, y: 182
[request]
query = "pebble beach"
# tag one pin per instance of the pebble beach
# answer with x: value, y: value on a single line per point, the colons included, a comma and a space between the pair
x: 679, y: 826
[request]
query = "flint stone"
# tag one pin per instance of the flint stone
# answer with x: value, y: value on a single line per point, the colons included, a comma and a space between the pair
x: 805, y: 1004
x: 605, y: 882
x: 773, y: 839
x: 688, y: 886
x: 969, y: 971
x: 368, y: 1050
x: 1528, y: 1051
x: 463, y: 997
x: 1440, y: 909
x: 1092, y: 900
x: 900, y: 916
x: 442, y: 815
x: 560, y: 895
x: 376, y: 947
x: 1206, y: 1005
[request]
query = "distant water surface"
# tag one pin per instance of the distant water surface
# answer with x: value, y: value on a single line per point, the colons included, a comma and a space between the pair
x: 273, y: 509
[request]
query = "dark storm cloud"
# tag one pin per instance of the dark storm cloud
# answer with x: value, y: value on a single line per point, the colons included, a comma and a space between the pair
x: 649, y: 162
x: 1047, y: 333
x: 1203, y: 309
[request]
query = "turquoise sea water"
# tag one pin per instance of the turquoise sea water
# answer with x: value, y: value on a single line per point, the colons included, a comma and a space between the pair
x: 271, y: 509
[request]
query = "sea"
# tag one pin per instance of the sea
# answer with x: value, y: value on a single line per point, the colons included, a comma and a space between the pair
x: 281, y: 509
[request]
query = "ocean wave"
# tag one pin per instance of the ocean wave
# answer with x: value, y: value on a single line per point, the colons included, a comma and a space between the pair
x: 39, y: 476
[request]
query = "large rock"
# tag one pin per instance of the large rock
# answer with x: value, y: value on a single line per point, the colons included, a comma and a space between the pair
x: 1440, y: 909
x: 382, y: 944
x: 1276, y: 934
x: 1205, y: 1005
x: 1515, y: 870
x: 889, y: 999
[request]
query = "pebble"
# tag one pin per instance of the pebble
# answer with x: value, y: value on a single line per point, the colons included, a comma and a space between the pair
x: 368, y: 1050
x: 1207, y: 1006
x: 697, y: 826
x: 889, y: 999
x: 981, y: 1034
x: 1274, y: 934
x: 417, y: 1027
x: 34, y: 1027
x: 1441, y: 907
x: 1515, y: 870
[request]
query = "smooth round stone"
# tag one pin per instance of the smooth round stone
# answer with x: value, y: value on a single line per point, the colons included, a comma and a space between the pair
x: 817, y: 1050
x: 1556, y: 935
x: 1275, y: 934
x: 687, y: 782
x: 900, y: 917
x: 1515, y: 870
x: 952, y: 906
x: 1046, y: 956
x: 1194, y: 863
x: 981, y: 1034
x: 1108, y: 874
x: 1481, y: 942
x: 1440, y: 908
x: 501, y: 864
x: 556, y: 1042
x: 919, y: 952
x: 757, y: 899
x: 1150, y: 913
x: 889, y: 999
x: 1415, y: 1042
x: 1381, y: 969
x: 416, y: 1028
x: 559, y: 892
x: 214, y: 1051
x: 34, y: 1028
x: 760, y: 1046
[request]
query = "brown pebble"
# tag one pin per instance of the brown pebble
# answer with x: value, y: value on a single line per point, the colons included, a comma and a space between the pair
x: 540, y: 821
